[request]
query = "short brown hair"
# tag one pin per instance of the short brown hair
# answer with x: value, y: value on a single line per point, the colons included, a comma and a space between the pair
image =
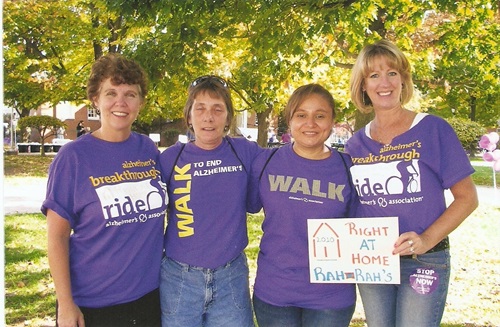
x: 363, y: 65
x: 121, y: 71
x: 216, y: 87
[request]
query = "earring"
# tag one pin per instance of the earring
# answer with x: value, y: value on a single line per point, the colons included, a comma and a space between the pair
x: 226, y: 128
x: 364, y: 98
x: 190, y: 126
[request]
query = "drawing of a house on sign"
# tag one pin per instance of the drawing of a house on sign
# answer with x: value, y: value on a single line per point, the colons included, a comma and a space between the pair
x: 326, y: 243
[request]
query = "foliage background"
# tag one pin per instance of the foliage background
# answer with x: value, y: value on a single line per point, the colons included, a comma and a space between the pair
x: 264, y: 48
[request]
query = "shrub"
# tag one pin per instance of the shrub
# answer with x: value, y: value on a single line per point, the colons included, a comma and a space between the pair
x: 468, y: 132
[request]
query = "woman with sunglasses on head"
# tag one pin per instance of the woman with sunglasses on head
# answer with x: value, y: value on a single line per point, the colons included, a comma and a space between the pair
x: 403, y: 162
x: 301, y: 180
x: 204, y: 278
x: 105, y: 208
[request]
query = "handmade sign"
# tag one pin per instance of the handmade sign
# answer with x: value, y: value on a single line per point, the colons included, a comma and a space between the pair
x: 353, y: 250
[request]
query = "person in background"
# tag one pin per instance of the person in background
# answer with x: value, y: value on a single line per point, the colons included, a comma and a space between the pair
x: 283, y: 293
x: 80, y: 129
x: 105, y: 208
x: 286, y: 138
x: 403, y: 162
x: 271, y: 135
x: 204, y: 277
x: 61, y: 133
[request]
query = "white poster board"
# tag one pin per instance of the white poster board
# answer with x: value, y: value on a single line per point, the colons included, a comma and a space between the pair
x: 353, y: 250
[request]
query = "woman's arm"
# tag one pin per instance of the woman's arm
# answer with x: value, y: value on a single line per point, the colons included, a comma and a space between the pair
x: 464, y: 203
x: 58, y: 232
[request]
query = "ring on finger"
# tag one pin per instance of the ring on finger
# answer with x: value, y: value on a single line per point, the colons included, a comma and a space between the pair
x: 412, y: 250
x: 410, y: 242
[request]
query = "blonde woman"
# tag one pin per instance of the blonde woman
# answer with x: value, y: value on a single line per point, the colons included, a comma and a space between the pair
x: 403, y: 162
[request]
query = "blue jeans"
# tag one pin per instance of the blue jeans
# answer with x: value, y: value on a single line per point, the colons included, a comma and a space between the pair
x: 194, y: 296
x: 420, y: 298
x: 273, y: 316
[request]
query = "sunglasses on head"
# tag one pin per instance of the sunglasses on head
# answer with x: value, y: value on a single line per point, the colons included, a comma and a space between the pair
x: 211, y: 78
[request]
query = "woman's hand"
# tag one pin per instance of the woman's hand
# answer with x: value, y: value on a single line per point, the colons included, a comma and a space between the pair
x: 464, y: 202
x: 69, y: 315
x: 411, y: 243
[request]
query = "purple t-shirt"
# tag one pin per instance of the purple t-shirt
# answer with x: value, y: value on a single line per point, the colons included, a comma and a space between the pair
x: 113, y: 198
x: 207, y: 210
x: 407, y: 178
x: 292, y: 190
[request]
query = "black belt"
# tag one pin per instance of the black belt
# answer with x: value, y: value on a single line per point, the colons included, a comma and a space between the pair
x: 443, y: 245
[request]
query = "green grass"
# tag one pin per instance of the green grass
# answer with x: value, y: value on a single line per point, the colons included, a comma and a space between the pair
x: 26, y: 165
x: 254, y: 235
x: 29, y: 293
x: 484, y: 176
x: 30, y: 298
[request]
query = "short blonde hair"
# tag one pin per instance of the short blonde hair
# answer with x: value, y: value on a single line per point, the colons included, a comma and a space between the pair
x: 364, y: 64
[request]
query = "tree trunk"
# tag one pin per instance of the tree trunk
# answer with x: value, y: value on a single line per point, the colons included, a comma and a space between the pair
x: 473, y: 106
x: 263, y: 126
x: 42, y: 147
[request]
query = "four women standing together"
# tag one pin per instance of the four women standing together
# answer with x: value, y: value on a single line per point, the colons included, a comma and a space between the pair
x: 214, y: 180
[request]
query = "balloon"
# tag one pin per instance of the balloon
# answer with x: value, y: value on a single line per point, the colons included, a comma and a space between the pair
x: 488, y: 156
x: 494, y: 137
x: 484, y: 141
x: 496, y: 155
x: 496, y: 165
x: 486, y: 144
x: 489, y: 141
